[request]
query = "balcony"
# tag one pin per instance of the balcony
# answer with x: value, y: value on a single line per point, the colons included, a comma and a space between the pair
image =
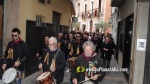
x: 89, y: 14
x: 116, y: 3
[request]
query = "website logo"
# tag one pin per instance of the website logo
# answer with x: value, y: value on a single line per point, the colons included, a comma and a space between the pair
x: 81, y: 69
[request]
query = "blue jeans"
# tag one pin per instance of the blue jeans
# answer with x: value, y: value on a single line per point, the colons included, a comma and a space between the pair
x: 18, y: 80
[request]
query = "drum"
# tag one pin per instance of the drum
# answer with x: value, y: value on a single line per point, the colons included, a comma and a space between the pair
x: 1, y: 82
x: 86, y: 81
x: 45, y: 78
x: 9, y: 75
x: 71, y: 62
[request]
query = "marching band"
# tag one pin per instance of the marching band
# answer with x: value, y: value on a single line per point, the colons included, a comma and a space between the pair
x: 75, y: 51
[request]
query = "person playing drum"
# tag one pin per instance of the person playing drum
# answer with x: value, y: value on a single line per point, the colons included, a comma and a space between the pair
x: 53, y: 60
x: 16, y: 54
x: 87, y: 60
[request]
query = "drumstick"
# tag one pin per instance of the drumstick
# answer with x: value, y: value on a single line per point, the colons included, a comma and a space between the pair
x: 88, y: 79
x: 16, y: 61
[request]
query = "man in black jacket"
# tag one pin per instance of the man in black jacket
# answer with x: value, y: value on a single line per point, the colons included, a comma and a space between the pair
x: 43, y: 47
x: 107, y: 51
x: 16, y: 53
x: 87, y: 60
x: 53, y: 59
x: 61, y: 42
x: 76, y: 47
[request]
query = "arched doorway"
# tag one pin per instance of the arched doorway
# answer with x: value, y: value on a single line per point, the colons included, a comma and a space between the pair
x: 91, y: 25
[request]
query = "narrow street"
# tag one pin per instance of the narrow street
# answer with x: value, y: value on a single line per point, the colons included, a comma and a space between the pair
x: 43, y: 34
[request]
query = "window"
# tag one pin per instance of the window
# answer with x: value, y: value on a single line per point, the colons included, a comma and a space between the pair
x: 85, y: 8
x: 38, y: 20
x: 42, y: 1
x: 78, y: 9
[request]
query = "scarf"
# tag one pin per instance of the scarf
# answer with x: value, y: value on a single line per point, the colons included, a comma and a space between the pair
x: 88, y: 58
x: 16, y: 42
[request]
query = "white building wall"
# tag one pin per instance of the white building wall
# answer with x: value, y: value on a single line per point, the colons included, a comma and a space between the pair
x: 114, y: 18
x: 89, y: 9
x: 141, y: 33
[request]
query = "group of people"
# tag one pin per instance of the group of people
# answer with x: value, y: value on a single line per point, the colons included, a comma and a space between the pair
x: 92, y: 50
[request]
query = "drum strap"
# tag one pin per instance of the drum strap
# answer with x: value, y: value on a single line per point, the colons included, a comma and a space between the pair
x: 47, y: 57
x: 55, y: 56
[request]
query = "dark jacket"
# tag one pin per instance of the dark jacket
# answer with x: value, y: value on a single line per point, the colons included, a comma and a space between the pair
x: 62, y: 44
x: 43, y: 47
x: 69, y: 44
x: 98, y: 43
x: 60, y: 63
x: 83, y: 62
x: 75, y: 46
x: 107, y: 54
x: 20, y: 53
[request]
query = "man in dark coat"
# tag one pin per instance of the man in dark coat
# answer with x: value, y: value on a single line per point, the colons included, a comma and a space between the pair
x: 16, y: 54
x: 61, y: 42
x: 106, y: 51
x: 97, y: 41
x: 43, y: 47
x: 76, y: 48
x: 53, y: 60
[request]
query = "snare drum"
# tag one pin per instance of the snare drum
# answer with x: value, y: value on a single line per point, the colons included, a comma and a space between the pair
x: 45, y: 78
x: 88, y: 82
x: 9, y: 75
x: 1, y: 82
x: 71, y: 62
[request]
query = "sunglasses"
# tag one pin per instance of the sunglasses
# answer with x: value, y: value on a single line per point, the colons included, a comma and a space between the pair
x: 14, y: 35
x: 78, y: 36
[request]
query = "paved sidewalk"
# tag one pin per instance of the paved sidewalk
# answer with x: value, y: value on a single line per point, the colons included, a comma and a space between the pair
x: 110, y: 78
x: 114, y: 77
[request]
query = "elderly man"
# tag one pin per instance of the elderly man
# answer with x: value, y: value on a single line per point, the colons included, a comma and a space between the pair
x: 53, y: 59
x: 107, y: 51
x: 87, y: 60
